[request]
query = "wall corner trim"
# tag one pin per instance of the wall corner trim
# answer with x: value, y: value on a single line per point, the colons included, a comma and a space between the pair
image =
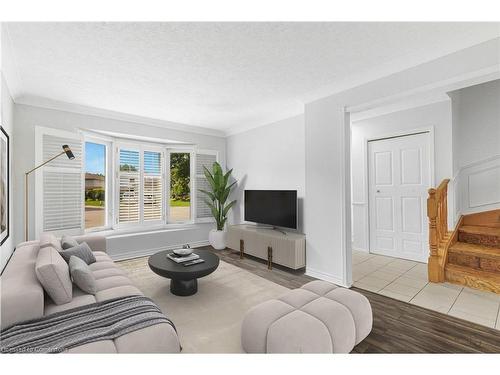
x: 327, y: 277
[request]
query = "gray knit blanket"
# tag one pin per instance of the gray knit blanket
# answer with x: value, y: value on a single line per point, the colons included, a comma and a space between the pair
x: 82, y: 325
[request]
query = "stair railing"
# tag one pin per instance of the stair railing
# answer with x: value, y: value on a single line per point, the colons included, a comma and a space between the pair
x: 439, y: 236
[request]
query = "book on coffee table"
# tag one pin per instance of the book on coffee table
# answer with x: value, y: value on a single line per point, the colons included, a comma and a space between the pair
x: 181, y: 259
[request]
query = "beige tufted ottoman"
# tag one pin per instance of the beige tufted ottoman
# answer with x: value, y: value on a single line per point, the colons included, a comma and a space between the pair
x: 317, y: 318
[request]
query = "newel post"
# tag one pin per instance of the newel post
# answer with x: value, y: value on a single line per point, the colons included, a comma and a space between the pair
x: 434, y: 269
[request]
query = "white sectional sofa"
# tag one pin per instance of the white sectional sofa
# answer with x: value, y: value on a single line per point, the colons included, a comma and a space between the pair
x: 23, y: 298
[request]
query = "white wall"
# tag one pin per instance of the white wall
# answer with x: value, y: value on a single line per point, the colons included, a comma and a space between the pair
x: 7, y: 122
x: 476, y: 157
x: 437, y: 116
x: 478, y: 123
x: 268, y: 157
x: 327, y: 212
x: 27, y: 117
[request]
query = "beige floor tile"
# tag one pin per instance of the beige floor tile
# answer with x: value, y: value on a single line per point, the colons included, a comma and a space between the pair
x: 365, y: 267
x: 452, y: 286
x: 473, y: 304
x: 472, y: 318
x: 414, y: 283
x: 403, y: 289
x: 374, y: 281
x: 407, y: 281
x: 401, y: 265
x: 370, y: 288
x: 380, y: 260
x: 418, y: 272
x: 489, y: 295
x: 386, y: 275
x: 359, y: 257
x: 358, y: 274
x: 437, y: 297
x: 394, y: 295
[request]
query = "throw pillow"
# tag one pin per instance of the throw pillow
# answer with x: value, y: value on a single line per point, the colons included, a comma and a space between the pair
x: 67, y: 242
x: 49, y: 240
x: 82, y: 275
x: 81, y: 251
x: 53, y: 273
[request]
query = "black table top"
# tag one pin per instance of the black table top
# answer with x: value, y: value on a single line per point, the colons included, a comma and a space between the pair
x: 163, y: 266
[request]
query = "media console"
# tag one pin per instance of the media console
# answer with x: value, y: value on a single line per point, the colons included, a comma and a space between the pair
x: 288, y: 249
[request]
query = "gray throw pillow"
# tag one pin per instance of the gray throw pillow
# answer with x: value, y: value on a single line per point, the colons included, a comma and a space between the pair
x: 82, y: 275
x: 53, y: 273
x: 81, y: 251
x: 67, y: 242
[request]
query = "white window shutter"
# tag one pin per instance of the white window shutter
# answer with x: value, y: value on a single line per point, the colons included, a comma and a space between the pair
x: 203, y: 158
x: 59, y: 192
x: 153, y: 186
x: 129, y: 178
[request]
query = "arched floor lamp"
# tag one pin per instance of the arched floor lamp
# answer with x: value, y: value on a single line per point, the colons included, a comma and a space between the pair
x: 66, y: 150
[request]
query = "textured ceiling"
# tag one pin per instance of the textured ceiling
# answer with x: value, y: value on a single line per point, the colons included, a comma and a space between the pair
x: 222, y: 76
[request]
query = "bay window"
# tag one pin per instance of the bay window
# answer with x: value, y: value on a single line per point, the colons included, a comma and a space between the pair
x: 120, y: 183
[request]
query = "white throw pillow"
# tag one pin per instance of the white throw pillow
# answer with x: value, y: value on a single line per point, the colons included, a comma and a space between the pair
x: 48, y: 239
x: 82, y: 275
x: 53, y: 273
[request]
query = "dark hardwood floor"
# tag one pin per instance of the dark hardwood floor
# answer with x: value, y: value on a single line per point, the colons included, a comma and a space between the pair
x: 398, y: 327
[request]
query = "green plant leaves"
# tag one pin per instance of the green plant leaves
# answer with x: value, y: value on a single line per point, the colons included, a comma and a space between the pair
x: 218, y: 181
x: 211, y: 195
x: 228, y: 207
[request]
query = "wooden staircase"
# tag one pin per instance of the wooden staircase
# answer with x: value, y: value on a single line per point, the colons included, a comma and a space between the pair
x: 469, y: 255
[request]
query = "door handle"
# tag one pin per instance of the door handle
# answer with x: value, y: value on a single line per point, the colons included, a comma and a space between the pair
x: 378, y: 191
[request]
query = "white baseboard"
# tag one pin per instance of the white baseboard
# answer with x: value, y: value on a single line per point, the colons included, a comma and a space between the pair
x: 151, y: 251
x: 326, y: 277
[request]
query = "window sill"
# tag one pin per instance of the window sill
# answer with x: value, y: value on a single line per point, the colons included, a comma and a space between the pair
x: 132, y: 231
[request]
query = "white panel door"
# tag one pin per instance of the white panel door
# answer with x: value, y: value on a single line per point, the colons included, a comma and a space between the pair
x: 399, y: 176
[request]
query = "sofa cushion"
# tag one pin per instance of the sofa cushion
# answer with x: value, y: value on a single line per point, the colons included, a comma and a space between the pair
x: 53, y: 273
x: 153, y: 339
x: 103, y: 346
x: 102, y: 265
x: 108, y: 272
x: 102, y: 257
x: 81, y: 251
x: 82, y: 275
x: 48, y: 239
x: 117, y: 292
x: 79, y: 299
x: 67, y: 242
x: 112, y: 282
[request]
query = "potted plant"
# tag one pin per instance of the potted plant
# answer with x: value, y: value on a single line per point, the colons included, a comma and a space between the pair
x: 216, y: 200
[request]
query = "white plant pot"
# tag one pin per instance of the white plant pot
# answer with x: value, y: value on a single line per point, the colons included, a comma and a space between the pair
x: 217, y: 239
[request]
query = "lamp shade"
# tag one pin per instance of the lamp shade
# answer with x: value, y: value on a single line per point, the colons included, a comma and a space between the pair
x: 68, y: 152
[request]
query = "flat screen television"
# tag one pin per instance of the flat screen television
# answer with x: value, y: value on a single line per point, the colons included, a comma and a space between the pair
x: 272, y: 207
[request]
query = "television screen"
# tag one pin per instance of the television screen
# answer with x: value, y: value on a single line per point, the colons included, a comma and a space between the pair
x: 272, y: 207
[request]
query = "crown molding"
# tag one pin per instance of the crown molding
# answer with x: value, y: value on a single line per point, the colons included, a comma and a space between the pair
x: 47, y: 103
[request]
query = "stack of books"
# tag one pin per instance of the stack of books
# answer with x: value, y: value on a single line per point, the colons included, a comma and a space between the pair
x: 181, y: 259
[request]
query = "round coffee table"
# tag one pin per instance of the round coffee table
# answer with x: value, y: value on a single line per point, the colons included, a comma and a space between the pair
x: 183, y: 278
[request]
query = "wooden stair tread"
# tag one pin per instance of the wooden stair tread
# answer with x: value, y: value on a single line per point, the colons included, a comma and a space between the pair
x: 475, y: 229
x: 475, y: 250
x: 485, y: 219
x: 477, y: 279
x: 472, y: 271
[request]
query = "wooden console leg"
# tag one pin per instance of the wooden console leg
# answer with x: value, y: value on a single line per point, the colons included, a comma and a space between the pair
x: 242, y: 249
x: 269, y: 258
